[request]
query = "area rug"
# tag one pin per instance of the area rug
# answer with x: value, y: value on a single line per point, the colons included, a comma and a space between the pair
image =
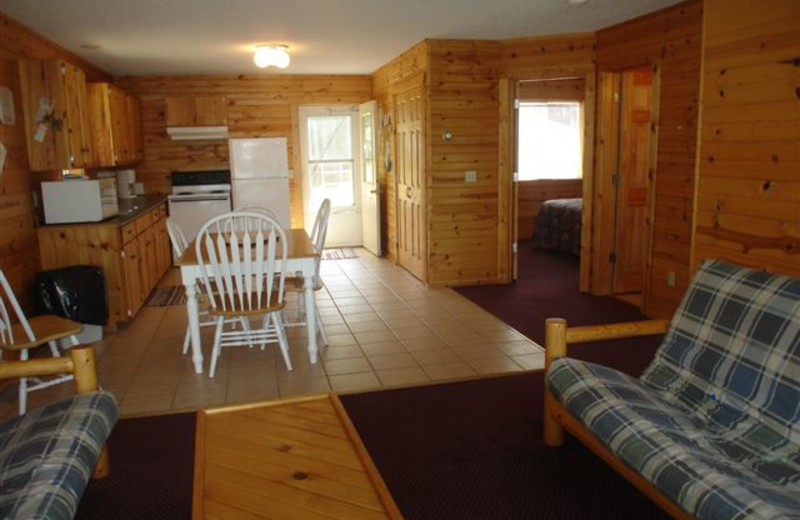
x: 163, y: 296
x: 464, y: 450
x: 339, y: 253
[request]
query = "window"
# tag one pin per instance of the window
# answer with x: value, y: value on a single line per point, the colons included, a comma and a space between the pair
x: 549, y: 141
x: 330, y: 160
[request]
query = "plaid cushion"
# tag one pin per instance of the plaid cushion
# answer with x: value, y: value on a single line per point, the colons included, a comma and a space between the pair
x: 47, y: 455
x: 733, y: 351
x: 713, y: 422
x: 702, y: 470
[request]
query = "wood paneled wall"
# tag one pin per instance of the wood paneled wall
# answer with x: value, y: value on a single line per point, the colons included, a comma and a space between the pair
x: 671, y: 40
x: 533, y: 193
x: 748, y: 193
x: 19, y: 250
x: 386, y: 81
x: 258, y: 106
x: 463, y: 100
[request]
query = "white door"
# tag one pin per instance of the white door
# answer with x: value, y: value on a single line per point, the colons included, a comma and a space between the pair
x: 370, y: 188
x: 331, y: 169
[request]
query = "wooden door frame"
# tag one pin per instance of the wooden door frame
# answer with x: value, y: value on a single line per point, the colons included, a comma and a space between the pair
x: 507, y: 188
x: 415, y: 81
x: 603, y: 199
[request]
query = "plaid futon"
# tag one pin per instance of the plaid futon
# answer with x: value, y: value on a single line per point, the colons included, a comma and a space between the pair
x: 47, y: 455
x: 713, y: 421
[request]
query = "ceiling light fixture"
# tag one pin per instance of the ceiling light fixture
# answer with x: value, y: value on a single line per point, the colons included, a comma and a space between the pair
x: 272, y: 55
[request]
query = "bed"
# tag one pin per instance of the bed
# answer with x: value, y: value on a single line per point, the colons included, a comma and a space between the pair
x: 558, y: 226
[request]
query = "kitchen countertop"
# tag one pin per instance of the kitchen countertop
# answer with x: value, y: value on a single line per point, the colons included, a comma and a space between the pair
x: 129, y: 210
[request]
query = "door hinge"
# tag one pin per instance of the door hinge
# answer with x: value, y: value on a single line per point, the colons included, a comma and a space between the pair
x: 122, y: 254
x: 615, y: 179
x: 612, y: 258
x: 130, y: 313
x: 63, y: 70
x: 516, y: 104
x: 514, y: 248
x: 515, y: 177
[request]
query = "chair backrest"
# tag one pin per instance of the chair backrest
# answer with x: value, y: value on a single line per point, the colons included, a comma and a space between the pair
x: 176, y: 237
x: 242, y: 258
x: 6, y: 330
x: 320, y: 231
x: 733, y: 347
x: 262, y: 210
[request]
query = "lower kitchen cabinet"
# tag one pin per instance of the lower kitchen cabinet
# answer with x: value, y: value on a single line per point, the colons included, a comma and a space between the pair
x: 133, y: 256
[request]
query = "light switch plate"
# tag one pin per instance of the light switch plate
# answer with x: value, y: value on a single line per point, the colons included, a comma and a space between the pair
x: 470, y: 176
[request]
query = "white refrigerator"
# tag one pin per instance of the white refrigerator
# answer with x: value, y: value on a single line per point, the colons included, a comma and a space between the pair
x: 260, y: 175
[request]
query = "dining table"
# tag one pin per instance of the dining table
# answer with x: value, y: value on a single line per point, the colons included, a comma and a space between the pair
x: 301, y: 258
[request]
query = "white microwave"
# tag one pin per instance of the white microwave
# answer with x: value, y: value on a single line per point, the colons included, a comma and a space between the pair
x: 79, y: 200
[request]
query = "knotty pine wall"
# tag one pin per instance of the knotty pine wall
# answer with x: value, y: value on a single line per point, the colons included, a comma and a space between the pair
x: 748, y: 187
x: 19, y: 249
x: 258, y: 106
x: 386, y: 81
x: 670, y: 38
x: 463, y: 99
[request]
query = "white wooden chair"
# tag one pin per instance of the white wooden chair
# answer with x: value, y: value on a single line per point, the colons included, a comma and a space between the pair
x: 243, y: 256
x: 296, y: 283
x: 179, y: 244
x: 263, y: 210
x: 26, y: 334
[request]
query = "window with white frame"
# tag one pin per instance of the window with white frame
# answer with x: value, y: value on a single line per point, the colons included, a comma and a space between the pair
x: 549, y: 145
x: 331, y: 162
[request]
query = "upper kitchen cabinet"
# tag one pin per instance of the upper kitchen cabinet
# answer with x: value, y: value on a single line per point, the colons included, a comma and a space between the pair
x: 115, y: 125
x: 196, y: 111
x: 55, y: 114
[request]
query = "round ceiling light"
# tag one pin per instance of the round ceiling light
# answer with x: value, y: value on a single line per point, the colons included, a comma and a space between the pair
x: 272, y: 56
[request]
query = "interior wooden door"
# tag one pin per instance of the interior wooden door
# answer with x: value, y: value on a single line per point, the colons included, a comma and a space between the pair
x: 409, y: 114
x: 633, y: 179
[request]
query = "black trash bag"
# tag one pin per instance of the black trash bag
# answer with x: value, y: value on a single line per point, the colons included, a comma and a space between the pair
x: 77, y: 293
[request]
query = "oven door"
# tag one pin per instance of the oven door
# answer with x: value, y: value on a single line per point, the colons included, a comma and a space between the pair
x: 190, y: 212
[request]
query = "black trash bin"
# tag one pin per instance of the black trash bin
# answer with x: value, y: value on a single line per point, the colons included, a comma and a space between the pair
x: 77, y: 293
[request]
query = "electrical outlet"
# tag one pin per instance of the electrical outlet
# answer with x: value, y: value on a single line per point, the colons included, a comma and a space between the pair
x: 671, y: 282
x: 470, y: 176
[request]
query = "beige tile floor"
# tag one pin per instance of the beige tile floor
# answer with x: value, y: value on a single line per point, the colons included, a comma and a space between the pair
x: 386, y: 329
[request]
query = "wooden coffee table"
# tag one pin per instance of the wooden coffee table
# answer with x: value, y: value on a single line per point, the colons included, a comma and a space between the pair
x: 298, y: 458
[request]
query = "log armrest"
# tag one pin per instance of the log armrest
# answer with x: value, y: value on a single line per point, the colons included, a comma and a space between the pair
x: 558, y: 335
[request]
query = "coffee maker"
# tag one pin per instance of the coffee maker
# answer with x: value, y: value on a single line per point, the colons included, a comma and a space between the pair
x: 125, y: 184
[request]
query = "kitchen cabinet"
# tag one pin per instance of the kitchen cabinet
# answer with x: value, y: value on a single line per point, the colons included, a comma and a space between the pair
x: 133, y: 253
x: 115, y: 125
x: 196, y: 111
x: 55, y: 114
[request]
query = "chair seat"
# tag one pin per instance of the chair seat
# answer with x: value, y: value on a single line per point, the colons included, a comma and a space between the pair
x: 45, y: 328
x: 240, y: 308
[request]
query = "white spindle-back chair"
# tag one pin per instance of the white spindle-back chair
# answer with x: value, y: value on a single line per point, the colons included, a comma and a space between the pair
x: 243, y: 256
x: 318, y: 234
x: 179, y: 244
x: 26, y: 334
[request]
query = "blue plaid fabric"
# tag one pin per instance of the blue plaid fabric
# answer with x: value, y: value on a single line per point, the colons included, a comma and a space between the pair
x: 47, y: 455
x: 713, y: 421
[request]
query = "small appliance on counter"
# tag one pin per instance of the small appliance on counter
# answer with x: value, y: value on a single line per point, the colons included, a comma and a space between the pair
x: 126, y: 180
x: 84, y: 200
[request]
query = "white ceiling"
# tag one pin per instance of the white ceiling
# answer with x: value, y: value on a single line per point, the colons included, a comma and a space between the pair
x: 170, y: 37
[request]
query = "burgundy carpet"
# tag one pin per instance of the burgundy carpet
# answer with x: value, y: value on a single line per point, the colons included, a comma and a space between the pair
x: 473, y: 450
x: 548, y: 287
x: 152, y: 464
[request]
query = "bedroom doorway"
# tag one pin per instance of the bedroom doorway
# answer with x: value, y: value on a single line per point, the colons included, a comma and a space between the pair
x: 551, y: 161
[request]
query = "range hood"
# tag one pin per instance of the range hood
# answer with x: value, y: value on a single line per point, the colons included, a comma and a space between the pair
x: 194, y: 133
